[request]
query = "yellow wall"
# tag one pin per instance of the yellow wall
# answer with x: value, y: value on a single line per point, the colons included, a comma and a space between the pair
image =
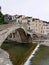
x: 38, y: 24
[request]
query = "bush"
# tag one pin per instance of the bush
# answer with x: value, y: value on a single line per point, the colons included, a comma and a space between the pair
x: 1, y: 18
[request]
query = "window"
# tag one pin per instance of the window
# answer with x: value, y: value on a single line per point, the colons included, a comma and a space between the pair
x: 28, y: 22
x: 13, y: 35
x: 29, y: 28
x: 43, y: 31
x: 19, y: 21
x: 33, y: 19
x: 36, y: 24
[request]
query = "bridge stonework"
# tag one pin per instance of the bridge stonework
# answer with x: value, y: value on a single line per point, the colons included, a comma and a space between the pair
x: 6, y: 32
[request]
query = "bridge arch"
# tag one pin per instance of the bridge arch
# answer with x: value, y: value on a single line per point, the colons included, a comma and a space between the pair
x: 5, y: 33
x: 18, y: 35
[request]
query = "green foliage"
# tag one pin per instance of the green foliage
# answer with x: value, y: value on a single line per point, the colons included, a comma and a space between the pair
x: 2, y: 19
x: 1, y: 14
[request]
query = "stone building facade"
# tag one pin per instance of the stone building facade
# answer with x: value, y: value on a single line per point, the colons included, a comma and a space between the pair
x: 34, y: 25
x: 45, y: 29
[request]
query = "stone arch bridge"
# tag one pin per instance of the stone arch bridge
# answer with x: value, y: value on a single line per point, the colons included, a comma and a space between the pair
x: 7, y: 31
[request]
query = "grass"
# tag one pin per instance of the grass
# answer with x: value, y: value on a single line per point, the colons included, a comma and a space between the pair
x: 18, y: 52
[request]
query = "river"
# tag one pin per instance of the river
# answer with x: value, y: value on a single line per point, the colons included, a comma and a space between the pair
x: 39, y: 56
x: 17, y: 51
x: 32, y: 55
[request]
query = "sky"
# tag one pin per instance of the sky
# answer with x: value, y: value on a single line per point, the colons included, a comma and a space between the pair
x: 34, y: 8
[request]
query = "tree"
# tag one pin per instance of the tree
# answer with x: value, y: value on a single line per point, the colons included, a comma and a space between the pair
x: 1, y: 18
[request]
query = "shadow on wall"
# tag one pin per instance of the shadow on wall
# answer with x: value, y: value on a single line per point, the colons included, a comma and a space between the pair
x: 26, y: 38
x: 20, y: 33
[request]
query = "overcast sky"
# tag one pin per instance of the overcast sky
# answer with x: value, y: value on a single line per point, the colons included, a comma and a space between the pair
x: 34, y: 8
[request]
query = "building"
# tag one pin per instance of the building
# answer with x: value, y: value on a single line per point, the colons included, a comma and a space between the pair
x: 24, y: 20
x: 34, y: 25
x: 8, y: 18
x: 45, y: 29
x: 20, y: 19
x: 29, y: 23
x: 37, y: 26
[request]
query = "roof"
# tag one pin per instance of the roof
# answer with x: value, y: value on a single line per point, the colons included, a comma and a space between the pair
x: 35, y: 19
x: 28, y: 17
x: 45, y: 22
x: 19, y: 16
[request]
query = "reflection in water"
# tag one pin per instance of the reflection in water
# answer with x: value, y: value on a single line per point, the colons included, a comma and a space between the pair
x: 32, y: 55
x: 45, y: 62
x: 17, y: 51
x: 41, y: 56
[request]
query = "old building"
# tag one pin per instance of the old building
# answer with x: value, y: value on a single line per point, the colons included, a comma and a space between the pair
x: 37, y: 26
x: 45, y: 29
x: 29, y: 23
x: 7, y: 18
x: 34, y: 25
x: 24, y: 20
x: 19, y: 19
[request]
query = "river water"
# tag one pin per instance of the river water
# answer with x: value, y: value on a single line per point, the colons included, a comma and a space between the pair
x: 39, y: 56
x: 17, y: 51
x: 32, y: 55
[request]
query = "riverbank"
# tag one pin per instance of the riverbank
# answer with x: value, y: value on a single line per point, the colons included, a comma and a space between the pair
x: 18, y: 52
x: 4, y: 58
